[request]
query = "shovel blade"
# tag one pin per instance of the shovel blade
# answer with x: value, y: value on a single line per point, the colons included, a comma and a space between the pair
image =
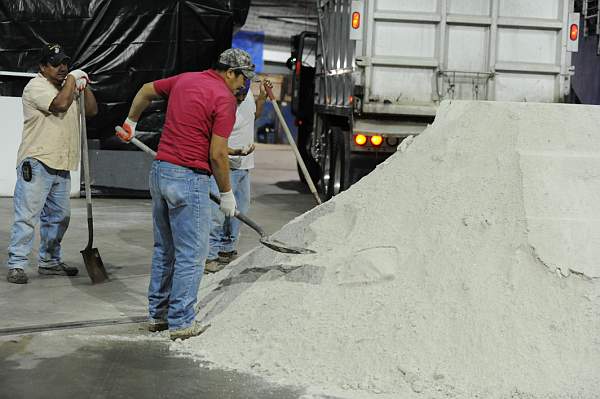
x: 284, y: 248
x: 94, y: 265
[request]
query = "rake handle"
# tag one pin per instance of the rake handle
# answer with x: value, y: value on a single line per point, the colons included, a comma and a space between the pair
x: 286, y: 129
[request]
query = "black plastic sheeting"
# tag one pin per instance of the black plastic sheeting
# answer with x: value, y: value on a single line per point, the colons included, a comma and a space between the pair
x: 120, y: 44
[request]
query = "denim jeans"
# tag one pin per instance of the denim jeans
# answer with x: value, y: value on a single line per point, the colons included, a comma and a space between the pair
x: 181, y: 216
x: 45, y: 197
x: 225, y: 231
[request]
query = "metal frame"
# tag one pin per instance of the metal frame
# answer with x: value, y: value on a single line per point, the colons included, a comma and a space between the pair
x: 18, y: 74
x: 441, y: 19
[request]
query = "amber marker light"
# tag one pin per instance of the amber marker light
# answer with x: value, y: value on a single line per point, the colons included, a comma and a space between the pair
x: 355, y: 20
x: 376, y: 140
x: 360, y: 139
x: 574, y: 32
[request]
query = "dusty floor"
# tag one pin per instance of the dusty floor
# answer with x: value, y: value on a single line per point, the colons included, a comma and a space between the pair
x: 63, y: 337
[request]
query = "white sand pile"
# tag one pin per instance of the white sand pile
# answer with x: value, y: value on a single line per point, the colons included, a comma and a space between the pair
x: 466, y: 266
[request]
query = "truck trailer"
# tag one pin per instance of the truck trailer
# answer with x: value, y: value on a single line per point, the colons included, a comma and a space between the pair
x: 375, y: 71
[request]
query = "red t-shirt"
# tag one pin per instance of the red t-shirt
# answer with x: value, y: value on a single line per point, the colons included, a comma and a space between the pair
x: 199, y: 105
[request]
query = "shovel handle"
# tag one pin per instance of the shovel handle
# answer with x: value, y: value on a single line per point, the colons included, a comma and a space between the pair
x: 85, y: 163
x: 290, y: 139
x: 243, y: 218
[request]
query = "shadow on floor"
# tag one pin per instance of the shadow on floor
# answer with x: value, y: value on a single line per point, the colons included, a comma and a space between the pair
x: 125, y: 369
x: 293, y: 185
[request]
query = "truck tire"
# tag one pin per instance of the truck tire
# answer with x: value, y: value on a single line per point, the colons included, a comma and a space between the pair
x: 341, y: 166
x: 313, y: 171
x: 304, y: 135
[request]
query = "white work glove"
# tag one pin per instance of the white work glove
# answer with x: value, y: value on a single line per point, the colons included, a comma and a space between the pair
x: 79, y: 74
x: 80, y: 84
x: 228, y: 204
x: 127, y: 131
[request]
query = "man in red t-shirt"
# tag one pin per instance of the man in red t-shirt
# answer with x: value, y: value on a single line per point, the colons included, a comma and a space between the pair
x: 193, y: 145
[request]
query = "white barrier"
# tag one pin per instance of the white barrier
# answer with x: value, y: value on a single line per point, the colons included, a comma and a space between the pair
x: 11, y: 117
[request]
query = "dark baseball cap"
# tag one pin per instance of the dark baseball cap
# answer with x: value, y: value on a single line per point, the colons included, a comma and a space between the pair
x: 238, y: 60
x: 54, y: 55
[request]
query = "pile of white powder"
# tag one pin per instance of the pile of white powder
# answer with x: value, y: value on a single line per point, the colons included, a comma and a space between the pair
x: 465, y: 266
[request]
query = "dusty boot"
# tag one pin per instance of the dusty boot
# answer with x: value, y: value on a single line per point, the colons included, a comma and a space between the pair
x: 62, y: 269
x: 213, y: 266
x: 16, y: 276
x: 226, y: 257
x: 155, y: 325
x: 185, y: 333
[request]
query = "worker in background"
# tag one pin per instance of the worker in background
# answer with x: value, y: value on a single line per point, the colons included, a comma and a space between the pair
x: 49, y: 150
x: 225, y: 230
x: 193, y: 146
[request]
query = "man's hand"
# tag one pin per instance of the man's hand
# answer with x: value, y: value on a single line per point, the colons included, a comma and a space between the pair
x: 262, y: 94
x: 228, y: 204
x: 247, y: 150
x: 127, y: 131
x: 79, y: 74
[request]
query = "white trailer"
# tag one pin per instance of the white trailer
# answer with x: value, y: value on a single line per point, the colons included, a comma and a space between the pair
x: 381, y: 67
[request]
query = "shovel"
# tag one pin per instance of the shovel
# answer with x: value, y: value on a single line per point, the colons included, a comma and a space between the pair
x: 264, y: 238
x: 91, y: 256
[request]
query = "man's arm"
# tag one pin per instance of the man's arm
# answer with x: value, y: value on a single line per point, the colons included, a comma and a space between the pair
x: 65, y: 96
x: 142, y: 100
x: 220, y: 162
x: 260, y: 101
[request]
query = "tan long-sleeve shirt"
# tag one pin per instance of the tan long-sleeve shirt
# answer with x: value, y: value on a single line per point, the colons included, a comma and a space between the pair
x: 53, y: 139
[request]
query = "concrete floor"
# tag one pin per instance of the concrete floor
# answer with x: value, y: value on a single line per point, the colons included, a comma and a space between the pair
x: 64, y: 337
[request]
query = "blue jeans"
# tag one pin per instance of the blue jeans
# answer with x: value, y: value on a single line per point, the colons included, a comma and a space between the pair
x: 181, y: 216
x: 45, y: 198
x: 225, y: 231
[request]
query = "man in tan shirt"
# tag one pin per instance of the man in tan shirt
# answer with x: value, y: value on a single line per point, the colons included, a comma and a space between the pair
x: 49, y: 150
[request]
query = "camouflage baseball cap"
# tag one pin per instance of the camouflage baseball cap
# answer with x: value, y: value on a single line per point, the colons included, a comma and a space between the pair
x: 239, y: 60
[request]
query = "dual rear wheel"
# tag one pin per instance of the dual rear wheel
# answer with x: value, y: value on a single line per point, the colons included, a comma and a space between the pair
x: 336, y: 173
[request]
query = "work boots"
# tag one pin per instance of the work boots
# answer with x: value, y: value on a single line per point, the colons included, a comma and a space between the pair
x: 155, y: 325
x: 213, y: 266
x: 16, y: 276
x: 62, y: 269
x: 218, y: 264
x: 192, y: 331
x: 226, y: 257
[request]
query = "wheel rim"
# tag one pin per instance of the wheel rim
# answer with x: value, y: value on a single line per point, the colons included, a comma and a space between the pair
x: 327, y: 171
x: 337, y: 173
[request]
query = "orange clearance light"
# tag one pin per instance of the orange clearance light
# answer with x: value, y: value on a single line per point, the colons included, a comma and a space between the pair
x: 360, y: 139
x: 376, y: 140
x: 573, y: 32
x: 355, y: 20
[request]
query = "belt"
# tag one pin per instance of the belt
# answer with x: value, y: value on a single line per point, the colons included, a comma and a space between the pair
x: 200, y: 171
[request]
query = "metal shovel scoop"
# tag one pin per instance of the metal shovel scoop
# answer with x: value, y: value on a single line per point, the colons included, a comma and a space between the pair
x: 91, y: 256
x: 264, y: 238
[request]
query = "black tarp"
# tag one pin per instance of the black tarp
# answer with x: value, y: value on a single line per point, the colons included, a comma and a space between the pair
x: 121, y: 44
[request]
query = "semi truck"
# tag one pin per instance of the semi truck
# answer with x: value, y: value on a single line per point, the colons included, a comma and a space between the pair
x: 375, y: 71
